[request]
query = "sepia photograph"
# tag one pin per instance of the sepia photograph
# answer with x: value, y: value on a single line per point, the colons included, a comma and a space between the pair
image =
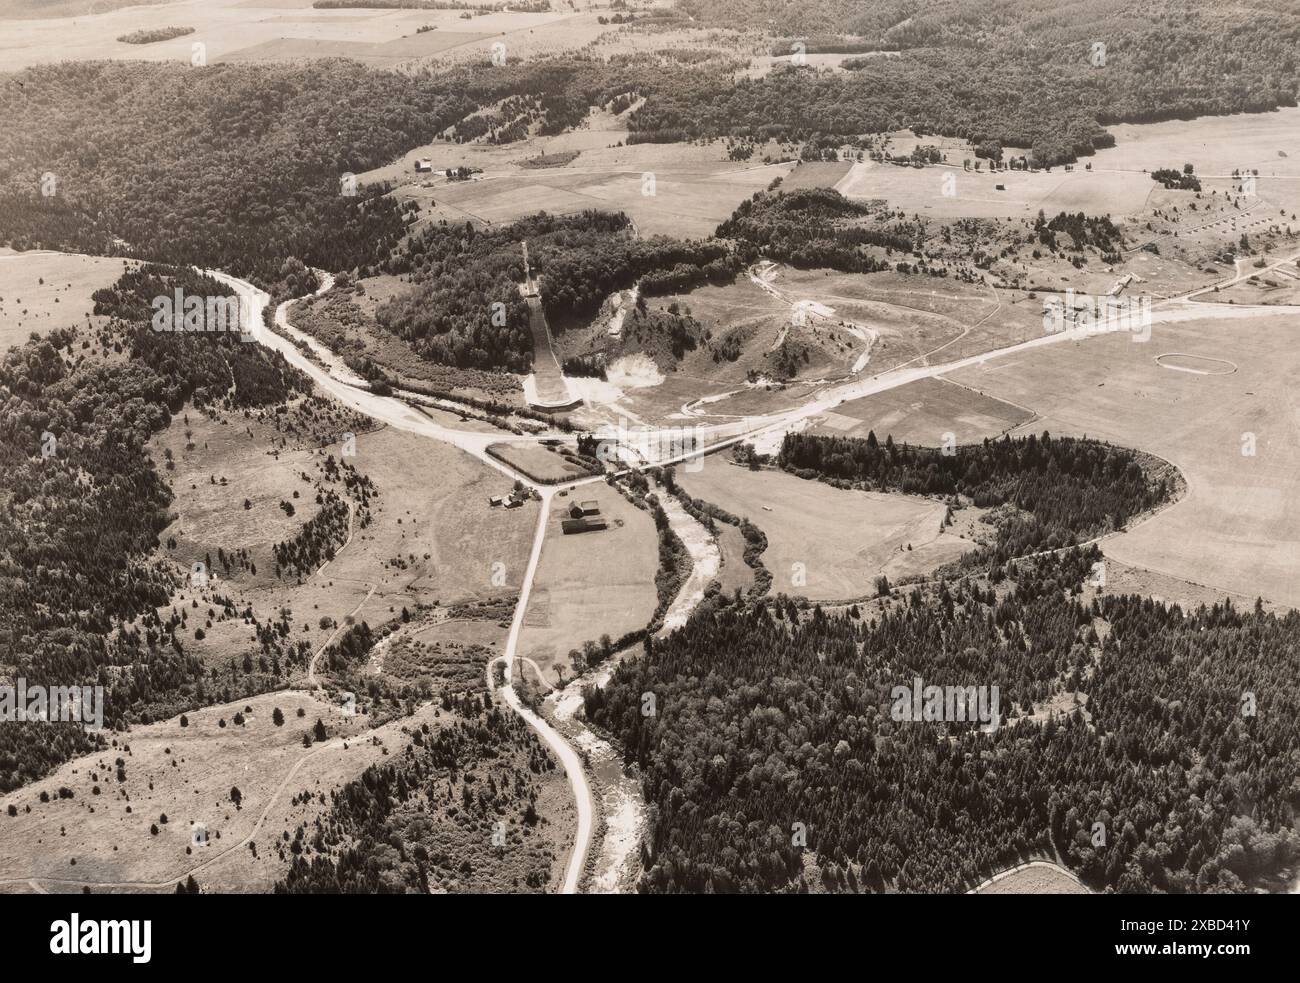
x: 650, y: 447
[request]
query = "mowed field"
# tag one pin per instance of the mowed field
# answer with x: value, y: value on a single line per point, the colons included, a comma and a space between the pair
x: 591, y: 583
x: 281, y: 30
x: 1237, y: 528
x: 948, y: 192
x: 827, y: 543
x: 41, y: 292
x: 923, y: 412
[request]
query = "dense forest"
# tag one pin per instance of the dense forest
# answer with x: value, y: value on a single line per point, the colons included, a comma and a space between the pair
x: 1172, y: 762
x: 466, y: 309
x: 231, y: 166
x: 455, y: 811
x: 234, y: 166
x: 1024, y: 72
x: 1047, y: 492
x: 816, y: 227
x: 242, y: 166
x: 84, y: 504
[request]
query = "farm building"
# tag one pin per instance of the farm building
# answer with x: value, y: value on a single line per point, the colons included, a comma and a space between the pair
x: 497, y: 500
x: 580, y: 509
x: 584, y: 524
x: 424, y: 166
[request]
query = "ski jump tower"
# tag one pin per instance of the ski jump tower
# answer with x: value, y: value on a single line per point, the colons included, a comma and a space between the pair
x: 530, y: 285
x: 546, y: 388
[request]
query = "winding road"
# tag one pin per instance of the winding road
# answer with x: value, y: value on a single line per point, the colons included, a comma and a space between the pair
x: 334, y: 378
x: 327, y: 371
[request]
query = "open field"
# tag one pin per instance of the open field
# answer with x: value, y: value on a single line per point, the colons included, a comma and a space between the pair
x: 827, y: 543
x: 1235, y: 530
x: 694, y: 187
x: 816, y: 174
x: 976, y: 195
x: 734, y: 573
x: 40, y: 292
x: 922, y: 412
x: 913, y: 316
x: 1281, y: 286
x: 591, y: 583
x: 187, y: 774
x: 433, y: 537
x: 102, y: 833
x: 280, y: 30
x: 1123, y: 578
x: 905, y: 320
x: 1116, y: 185
x: 535, y: 460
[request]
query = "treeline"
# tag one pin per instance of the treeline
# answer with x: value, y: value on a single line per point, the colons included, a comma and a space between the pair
x: 811, y: 228
x: 773, y: 722
x: 84, y: 504
x: 455, y: 811
x: 1053, y: 491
